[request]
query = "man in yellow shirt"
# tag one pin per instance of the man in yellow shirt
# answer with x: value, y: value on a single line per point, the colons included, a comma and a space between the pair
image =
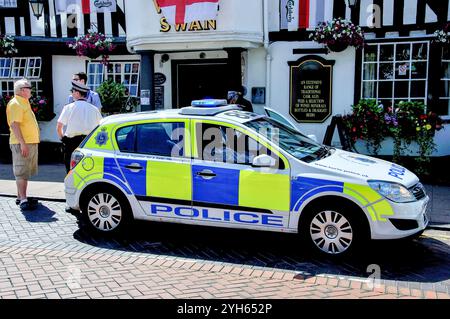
x: 24, y: 141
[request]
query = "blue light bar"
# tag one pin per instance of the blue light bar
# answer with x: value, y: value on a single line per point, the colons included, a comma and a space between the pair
x: 209, y: 103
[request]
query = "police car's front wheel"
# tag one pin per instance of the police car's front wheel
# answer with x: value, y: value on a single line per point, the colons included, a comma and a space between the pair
x: 105, y: 210
x: 332, y: 229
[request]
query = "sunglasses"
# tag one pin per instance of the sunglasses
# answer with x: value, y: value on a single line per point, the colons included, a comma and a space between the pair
x: 27, y: 87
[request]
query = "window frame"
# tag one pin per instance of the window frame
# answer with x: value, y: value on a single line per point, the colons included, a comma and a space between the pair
x: 273, y: 153
x: 410, y: 80
x: 5, y: 68
x: 186, y: 145
x: 106, y: 74
x: 8, y: 82
x: 10, y: 6
x: 444, y: 79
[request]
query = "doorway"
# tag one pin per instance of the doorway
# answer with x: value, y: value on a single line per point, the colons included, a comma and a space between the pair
x: 199, y: 79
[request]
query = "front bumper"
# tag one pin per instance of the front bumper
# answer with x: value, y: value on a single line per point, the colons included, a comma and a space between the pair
x: 408, y: 220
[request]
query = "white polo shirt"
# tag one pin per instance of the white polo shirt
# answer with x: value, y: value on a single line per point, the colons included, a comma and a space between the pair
x: 80, y: 118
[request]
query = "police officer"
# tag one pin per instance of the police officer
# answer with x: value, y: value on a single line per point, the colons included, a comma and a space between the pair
x: 79, y: 118
x: 91, y: 96
x: 237, y: 97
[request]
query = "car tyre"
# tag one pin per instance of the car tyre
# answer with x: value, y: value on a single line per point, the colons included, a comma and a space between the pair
x: 333, y: 229
x: 105, y: 210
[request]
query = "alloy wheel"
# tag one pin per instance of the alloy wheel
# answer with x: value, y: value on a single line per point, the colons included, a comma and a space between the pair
x: 104, y: 212
x: 331, y: 232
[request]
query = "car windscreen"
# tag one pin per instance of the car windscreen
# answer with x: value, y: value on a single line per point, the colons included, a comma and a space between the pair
x: 288, y: 139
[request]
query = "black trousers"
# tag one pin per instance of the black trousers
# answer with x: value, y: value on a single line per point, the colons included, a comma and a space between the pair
x: 70, y: 144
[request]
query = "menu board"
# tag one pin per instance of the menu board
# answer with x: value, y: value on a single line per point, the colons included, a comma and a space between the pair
x: 311, y: 89
x: 159, y: 97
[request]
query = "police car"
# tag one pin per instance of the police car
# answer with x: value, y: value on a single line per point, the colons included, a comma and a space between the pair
x: 216, y: 165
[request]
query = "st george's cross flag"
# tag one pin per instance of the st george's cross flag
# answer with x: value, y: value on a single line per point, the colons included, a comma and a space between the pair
x: 186, y: 11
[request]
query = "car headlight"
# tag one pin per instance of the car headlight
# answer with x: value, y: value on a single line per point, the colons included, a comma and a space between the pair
x: 393, y: 191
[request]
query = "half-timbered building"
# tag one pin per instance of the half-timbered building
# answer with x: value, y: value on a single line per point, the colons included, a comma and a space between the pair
x: 255, y: 43
x: 46, y: 60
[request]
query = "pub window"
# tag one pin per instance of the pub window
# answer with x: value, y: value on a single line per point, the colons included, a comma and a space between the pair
x: 5, y: 68
x: 394, y: 72
x: 8, y: 3
x: 126, y: 73
x: 19, y: 67
x: 33, y: 68
x: 95, y: 75
x: 445, y: 83
x: 12, y: 69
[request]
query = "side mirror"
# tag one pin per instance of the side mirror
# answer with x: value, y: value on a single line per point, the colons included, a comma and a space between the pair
x: 313, y: 137
x: 263, y: 161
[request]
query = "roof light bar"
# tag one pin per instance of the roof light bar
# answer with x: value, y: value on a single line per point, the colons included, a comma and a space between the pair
x: 209, y: 103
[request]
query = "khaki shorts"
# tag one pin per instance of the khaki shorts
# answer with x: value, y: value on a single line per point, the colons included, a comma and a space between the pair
x: 23, y: 167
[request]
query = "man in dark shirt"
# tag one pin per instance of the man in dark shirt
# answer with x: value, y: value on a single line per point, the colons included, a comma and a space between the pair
x: 237, y: 97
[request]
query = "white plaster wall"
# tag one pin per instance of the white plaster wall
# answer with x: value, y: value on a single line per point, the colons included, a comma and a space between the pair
x: 256, y: 74
x: 274, y: 15
x: 237, y: 22
x: 343, y: 83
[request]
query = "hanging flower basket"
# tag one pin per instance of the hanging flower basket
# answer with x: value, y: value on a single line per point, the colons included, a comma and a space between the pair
x: 93, y: 45
x: 7, y: 46
x: 337, y: 46
x: 338, y: 34
x: 442, y: 36
x: 93, y: 54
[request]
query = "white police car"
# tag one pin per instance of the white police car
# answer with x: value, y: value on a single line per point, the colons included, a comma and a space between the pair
x: 213, y: 164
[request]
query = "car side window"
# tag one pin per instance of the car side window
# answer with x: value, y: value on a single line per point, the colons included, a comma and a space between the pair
x: 126, y: 139
x: 224, y: 144
x: 161, y: 139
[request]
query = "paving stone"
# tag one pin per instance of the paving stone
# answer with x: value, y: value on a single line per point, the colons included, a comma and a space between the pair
x: 35, y: 259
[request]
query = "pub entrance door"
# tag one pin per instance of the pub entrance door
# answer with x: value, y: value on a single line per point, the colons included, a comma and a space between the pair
x: 198, y: 79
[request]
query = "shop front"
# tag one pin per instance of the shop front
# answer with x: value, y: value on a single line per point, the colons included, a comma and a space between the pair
x: 186, y: 60
x: 266, y: 47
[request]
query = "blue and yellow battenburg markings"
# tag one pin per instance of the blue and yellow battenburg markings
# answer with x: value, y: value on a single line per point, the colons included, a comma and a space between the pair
x: 224, y: 216
x: 303, y: 188
x: 233, y: 187
x: 225, y: 190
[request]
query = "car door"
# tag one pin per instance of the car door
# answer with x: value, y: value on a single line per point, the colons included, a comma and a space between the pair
x: 155, y: 161
x: 227, y: 190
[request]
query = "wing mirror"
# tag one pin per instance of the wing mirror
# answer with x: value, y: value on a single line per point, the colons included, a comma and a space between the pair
x: 263, y: 160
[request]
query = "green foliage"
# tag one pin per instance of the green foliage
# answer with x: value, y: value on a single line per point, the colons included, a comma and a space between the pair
x: 366, y: 123
x: 407, y: 123
x: 113, y: 96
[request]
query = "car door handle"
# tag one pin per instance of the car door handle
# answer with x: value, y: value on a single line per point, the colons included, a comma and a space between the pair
x: 206, y: 174
x: 134, y: 167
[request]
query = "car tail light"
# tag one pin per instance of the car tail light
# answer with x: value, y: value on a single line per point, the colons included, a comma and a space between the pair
x: 77, y: 156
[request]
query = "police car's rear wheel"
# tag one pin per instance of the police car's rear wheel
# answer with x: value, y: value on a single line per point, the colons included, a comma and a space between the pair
x: 106, y: 211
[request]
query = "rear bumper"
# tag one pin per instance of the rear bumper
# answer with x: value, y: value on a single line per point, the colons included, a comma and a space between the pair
x: 71, y: 192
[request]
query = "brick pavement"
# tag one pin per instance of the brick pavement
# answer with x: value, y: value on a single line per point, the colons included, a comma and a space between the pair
x: 44, y: 274
x: 44, y: 255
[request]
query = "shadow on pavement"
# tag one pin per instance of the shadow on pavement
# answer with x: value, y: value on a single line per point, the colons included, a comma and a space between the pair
x: 40, y: 215
x: 423, y: 260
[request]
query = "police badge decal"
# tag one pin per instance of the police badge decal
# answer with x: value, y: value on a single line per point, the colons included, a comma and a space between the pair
x: 102, y: 137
